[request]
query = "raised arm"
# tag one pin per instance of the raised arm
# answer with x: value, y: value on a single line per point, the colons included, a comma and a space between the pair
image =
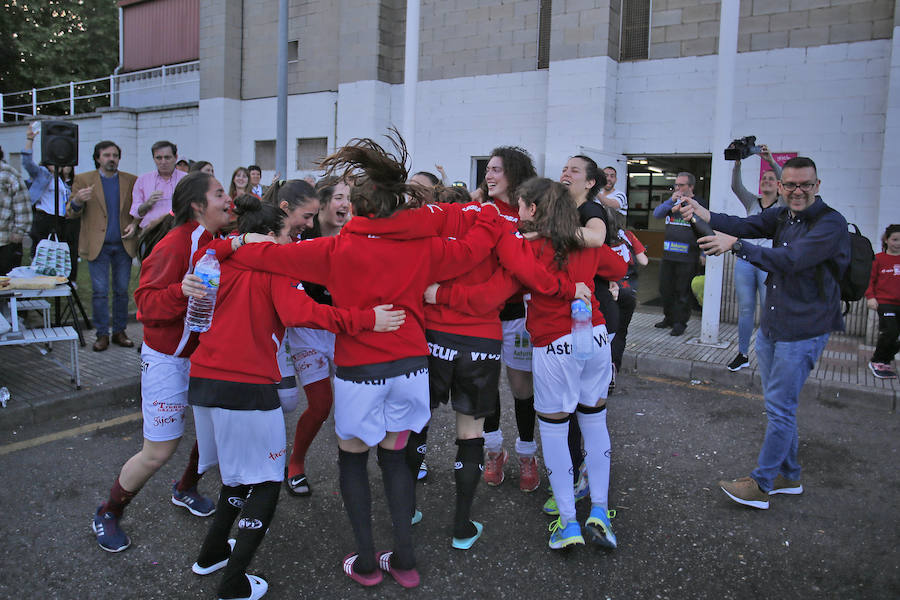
x: 737, y: 186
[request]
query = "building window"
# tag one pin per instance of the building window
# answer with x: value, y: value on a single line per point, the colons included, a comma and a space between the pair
x: 265, y: 154
x: 546, y: 8
x: 293, y: 51
x: 635, y: 33
x: 310, y: 151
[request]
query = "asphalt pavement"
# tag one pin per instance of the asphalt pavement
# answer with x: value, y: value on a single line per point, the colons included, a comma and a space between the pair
x: 679, y: 536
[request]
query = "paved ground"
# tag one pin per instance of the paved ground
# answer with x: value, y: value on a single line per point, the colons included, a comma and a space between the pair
x: 679, y: 536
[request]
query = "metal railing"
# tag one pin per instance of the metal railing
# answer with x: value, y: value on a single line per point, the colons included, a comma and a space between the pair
x: 76, y: 97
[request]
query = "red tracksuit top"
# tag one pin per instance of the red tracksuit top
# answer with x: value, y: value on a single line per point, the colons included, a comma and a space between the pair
x: 362, y: 269
x: 454, y: 220
x: 252, y: 310
x: 161, y: 305
x: 884, y: 284
x: 549, y: 317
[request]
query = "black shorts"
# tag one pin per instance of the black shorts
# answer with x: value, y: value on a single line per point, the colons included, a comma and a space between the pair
x: 463, y: 369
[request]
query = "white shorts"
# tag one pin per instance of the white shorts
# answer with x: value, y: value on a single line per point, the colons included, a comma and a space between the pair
x: 368, y: 410
x: 312, y: 353
x: 561, y: 382
x: 248, y: 445
x: 285, y: 366
x: 164, y: 392
x: 516, y: 351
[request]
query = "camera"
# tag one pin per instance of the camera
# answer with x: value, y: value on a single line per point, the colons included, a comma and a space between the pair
x: 742, y: 148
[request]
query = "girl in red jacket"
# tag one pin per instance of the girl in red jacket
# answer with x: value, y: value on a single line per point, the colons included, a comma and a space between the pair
x: 237, y: 413
x: 563, y: 385
x: 883, y: 295
x: 200, y: 207
x: 381, y: 382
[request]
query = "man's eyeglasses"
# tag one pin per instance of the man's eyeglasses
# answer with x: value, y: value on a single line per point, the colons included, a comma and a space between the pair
x: 790, y: 186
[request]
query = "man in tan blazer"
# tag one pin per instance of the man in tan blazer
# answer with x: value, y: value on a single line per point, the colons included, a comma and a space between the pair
x: 102, y: 199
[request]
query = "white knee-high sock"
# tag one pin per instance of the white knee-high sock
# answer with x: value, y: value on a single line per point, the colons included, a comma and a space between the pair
x: 597, y: 451
x: 555, y: 444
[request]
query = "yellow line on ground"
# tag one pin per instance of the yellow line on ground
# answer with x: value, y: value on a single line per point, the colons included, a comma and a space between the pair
x: 700, y: 386
x: 59, y: 435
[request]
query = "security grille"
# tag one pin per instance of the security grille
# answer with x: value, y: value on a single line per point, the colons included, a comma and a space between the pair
x: 635, y: 36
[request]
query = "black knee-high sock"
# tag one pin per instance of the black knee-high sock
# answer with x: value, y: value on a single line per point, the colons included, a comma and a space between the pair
x: 416, y: 446
x: 525, y: 417
x: 400, y: 491
x: 492, y: 421
x: 215, y: 546
x: 575, y: 448
x: 256, y: 516
x: 467, y: 471
x: 357, y: 497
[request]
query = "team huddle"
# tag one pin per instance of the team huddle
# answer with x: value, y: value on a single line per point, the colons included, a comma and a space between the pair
x: 413, y: 303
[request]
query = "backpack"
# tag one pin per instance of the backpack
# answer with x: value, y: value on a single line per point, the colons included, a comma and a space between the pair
x: 855, y: 279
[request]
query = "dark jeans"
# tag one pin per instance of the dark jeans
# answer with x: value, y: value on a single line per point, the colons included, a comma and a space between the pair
x: 112, y: 257
x: 888, y: 331
x: 675, y: 289
x: 10, y: 257
x: 627, y: 302
x: 67, y: 230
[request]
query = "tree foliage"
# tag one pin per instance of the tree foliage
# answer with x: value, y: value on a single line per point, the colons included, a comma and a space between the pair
x: 49, y: 42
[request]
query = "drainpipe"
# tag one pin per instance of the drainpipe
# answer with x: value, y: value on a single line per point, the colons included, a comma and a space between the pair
x: 114, y: 81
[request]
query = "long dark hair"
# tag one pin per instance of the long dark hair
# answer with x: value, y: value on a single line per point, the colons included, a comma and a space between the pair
x: 380, y: 187
x: 296, y: 192
x: 255, y: 216
x: 232, y: 191
x: 191, y: 189
x: 556, y: 217
x: 517, y: 168
x: 891, y: 230
x: 592, y: 171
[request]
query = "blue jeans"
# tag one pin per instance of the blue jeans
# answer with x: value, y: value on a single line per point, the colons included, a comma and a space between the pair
x: 783, y: 368
x: 112, y: 257
x: 748, y: 282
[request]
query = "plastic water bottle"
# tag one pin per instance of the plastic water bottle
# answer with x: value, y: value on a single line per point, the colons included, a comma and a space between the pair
x: 4, y: 396
x: 582, y: 330
x: 200, y: 310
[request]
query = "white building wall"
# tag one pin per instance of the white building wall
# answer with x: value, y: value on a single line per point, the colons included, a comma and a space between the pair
x: 178, y: 126
x: 889, y: 198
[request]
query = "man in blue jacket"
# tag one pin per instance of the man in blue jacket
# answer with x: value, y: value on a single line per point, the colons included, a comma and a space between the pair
x: 810, y: 251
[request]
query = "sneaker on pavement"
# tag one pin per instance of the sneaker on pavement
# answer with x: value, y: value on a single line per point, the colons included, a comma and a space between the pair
x: 882, y: 370
x: 366, y: 579
x: 783, y: 485
x: 745, y: 491
x: 740, y: 361
x: 582, y: 491
x: 258, y: 587
x: 200, y: 506
x: 560, y: 536
x: 598, y: 527
x: 423, y: 472
x: 109, y: 535
x: 408, y: 578
x: 298, y: 485
x: 196, y: 568
x: 529, y: 478
x: 493, y: 467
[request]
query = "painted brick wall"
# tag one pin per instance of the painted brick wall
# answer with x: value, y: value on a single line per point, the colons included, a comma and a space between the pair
x: 827, y: 102
x: 691, y: 27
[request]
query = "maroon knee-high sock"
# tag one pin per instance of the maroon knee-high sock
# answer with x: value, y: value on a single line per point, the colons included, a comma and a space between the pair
x: 118, y: 499
x: 190, y: 477
x: 319, y: 399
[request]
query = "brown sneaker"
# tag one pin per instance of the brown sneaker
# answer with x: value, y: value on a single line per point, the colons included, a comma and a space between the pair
x: 745, y: 491
x: 121, y: 339
x: 102, y: 343
x: 783, y: 485
x: 529, y: 478
x: 493, y: 467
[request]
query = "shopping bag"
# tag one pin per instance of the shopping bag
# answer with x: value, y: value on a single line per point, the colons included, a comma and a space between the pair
x: 52, y: 257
